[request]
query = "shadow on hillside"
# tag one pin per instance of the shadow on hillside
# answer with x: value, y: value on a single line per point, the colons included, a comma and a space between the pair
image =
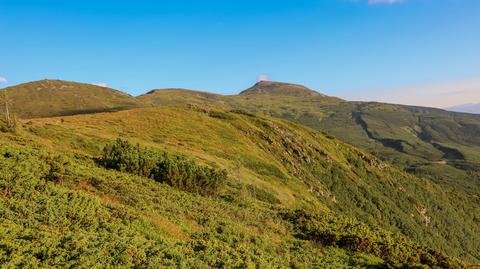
x: 82, y: 112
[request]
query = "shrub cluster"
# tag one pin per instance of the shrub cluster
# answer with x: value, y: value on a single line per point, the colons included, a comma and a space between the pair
x: 174, y: 170
x: 262, y: 195
x: 396, y: 251
x: 56, y: 168
x: 220, y: 115
x: 102, y: 219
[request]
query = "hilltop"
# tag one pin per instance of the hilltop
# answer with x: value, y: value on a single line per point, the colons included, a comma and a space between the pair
x: 46, y: 98
x: 280, y: 88
x: 175, y: 96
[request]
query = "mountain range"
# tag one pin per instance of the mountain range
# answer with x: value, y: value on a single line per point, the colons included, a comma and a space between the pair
x: 420, y: 140
x: 313, y: 180
x: 466, y: 108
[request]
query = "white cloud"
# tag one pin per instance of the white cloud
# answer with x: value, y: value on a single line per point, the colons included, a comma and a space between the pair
x: 389, y: 2
x: 3, y: 80
x: 263, y: 77
x: 101, y: 84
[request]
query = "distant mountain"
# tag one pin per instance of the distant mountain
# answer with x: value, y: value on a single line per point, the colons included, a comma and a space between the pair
x: 175, y: 96
x: 466, y: 108
x: 280, y: 88
x: 258, y: 98
x: 47, y: 98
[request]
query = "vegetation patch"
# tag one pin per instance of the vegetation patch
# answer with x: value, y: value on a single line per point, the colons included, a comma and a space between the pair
x: 262, y: 195
x: 398, y: 252
x: 174, y: 170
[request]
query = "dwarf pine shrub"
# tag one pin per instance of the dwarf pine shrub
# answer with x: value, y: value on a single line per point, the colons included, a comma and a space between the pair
x: 174, y: 170
x: 397, y: 251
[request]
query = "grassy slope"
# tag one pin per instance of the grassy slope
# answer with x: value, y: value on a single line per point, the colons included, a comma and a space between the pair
x: 414, y: 138
x: 300, y: 167
x: 180, y: 96
x: 430, y: 142
x: 95, y: 218
x: 439, y: 145
x: 47, y: 98
x: 403, y: 135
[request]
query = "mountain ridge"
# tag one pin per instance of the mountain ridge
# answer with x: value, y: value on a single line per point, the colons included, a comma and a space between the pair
x: 415, y: 138
x: 473, y: 108
x: 259, y: 88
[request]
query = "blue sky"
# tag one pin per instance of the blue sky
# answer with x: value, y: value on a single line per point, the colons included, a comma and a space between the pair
x: 355, y: 49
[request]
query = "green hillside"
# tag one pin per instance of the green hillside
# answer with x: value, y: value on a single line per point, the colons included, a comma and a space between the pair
x: 46, y: 98
x: 294, y: 197
x: 164, y: 97
x: 203, y: 180
x: 430, y: 142
x: 441, y: 145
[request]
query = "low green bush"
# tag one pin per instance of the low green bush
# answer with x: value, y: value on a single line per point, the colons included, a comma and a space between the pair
x: 328, y: 230
x: 220, y: 115
x: 57, y: 168
x: 98, y: 218
x: 262, y: 195
x: 242, y: 112
x: 164, y: 167
x: 123, y: 156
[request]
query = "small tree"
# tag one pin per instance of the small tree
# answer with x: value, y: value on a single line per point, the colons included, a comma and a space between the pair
x: 9, y: 119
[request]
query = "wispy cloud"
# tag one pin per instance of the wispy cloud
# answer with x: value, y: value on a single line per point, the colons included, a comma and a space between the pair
x: 3, y: 80
x: 439, y: 94
x: 263, y: 77
x: 388, y: 2
x: 101, y: 84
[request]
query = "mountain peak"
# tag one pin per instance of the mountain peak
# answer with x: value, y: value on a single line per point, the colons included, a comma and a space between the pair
x: 280, y: 88
x: 48, y: 98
